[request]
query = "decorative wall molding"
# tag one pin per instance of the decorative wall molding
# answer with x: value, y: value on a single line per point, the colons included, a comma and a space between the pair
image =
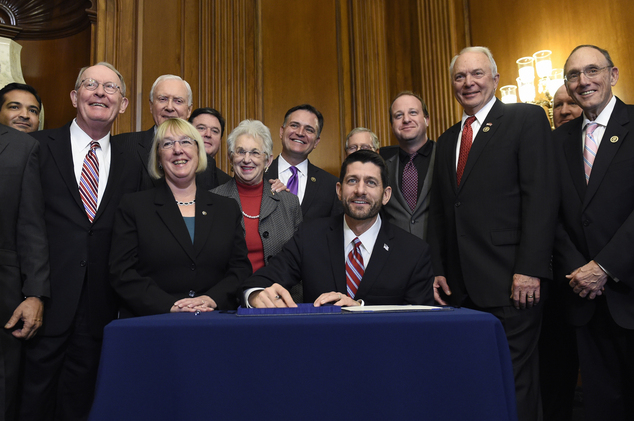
x: 45, y: 19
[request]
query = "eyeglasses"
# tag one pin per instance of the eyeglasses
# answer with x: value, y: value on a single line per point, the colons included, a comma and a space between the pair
x: 255, y: 154
x: 590, y: 72
x: 92, y: 85
x: 363, y: 147
x: 185, y: 143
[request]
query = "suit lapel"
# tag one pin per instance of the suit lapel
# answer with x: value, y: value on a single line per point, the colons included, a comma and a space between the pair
x: 378, y: 259
x: 172, y: 218
x: 483, y: 137
x: 272, y: 172
x: 574, y: 157
x: 144, y: 142
x: 450, y: 158
x: 117, y: 165
x: 336, y: 251
x: 313, y: 179
x: 393, y: 173
x: 612, y: 139
x: 3, y: 143
x: 203, y: 220
x: 269, y: 203
x: 62, y: 154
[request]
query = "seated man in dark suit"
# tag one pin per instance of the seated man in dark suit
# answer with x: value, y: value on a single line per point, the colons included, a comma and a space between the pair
x: 351, y: 260
x: 314, y: 187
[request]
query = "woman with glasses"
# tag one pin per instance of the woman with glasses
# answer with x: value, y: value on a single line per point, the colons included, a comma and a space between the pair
x: 269, y: 219
x: 176, y: 248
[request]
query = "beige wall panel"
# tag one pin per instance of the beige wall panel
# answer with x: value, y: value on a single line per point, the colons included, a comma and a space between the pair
x: 299, y: 65
x: 516, y: 29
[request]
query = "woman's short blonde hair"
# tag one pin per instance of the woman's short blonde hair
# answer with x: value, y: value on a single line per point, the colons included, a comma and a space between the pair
x: 176, y: 126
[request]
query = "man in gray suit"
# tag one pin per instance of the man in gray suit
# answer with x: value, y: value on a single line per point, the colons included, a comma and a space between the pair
x: 411, y: 167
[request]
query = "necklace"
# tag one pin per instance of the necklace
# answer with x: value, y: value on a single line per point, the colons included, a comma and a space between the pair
x: 249, y: 216
x: 186, y: 203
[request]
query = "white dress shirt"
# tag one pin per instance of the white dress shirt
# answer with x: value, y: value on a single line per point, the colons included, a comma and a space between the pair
x: 367, y: 239
x: 602, y: 120
x: 80, y: 145
x: 284, y: 174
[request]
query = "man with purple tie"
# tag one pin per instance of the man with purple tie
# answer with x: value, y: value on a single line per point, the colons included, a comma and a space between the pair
x: 314, y: 187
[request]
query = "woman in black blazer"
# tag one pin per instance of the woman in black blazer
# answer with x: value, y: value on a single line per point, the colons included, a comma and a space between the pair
x: 176, y: 248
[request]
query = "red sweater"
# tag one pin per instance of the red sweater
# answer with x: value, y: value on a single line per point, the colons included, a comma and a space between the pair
x: 251, y: 200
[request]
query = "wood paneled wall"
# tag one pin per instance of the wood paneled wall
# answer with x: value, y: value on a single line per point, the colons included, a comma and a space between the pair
x: 51, y: 66
x: 258, y: 58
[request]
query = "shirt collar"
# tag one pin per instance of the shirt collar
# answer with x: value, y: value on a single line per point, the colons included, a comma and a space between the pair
x: 283, y: 165
x: 424, y: 150
x: 482, y: 114
x: 604, y: 117
x: 367, y: 239
x: 81, y: 140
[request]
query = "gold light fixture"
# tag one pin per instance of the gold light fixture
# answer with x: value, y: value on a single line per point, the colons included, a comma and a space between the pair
x: 530, y: 91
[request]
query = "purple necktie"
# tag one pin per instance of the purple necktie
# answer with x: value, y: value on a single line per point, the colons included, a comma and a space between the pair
x: 293, y: 181
x: 409, y: 185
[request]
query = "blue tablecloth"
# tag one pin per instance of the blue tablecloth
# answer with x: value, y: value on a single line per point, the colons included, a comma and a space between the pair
x: 450, y: 365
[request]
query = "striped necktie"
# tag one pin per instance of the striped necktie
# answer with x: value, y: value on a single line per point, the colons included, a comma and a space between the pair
x: 89, y: 181
x: 354, y: 268
x: 590, y: 149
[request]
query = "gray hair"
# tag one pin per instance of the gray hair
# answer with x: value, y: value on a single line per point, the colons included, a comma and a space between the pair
x: 161, y: 78
x: 255, y: 129
x: 483, y: 50
x: 374, y: 137
x: 104, y: 64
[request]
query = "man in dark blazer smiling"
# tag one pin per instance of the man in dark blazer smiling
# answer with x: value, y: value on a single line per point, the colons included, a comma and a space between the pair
x: 61, y: 363
x: 315, y: 187
x: 595, y: 239
x: 493, y: 212
x: 395, y: 265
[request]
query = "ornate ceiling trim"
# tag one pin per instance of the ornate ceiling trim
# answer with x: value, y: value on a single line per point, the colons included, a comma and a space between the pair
x: 44, y: 19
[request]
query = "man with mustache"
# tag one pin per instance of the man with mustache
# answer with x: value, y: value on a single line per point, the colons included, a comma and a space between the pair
x: 20, y: 107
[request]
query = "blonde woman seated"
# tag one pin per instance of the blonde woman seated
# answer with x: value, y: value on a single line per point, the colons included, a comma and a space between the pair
x: 176, y: 248
x: 269, y: 219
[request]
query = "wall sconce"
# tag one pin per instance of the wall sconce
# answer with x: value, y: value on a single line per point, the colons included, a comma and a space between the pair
x: 548, y: 81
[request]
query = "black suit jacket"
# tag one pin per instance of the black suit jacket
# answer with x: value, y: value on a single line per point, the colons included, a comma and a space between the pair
x: 139, y: 145
x: 597, y: 219
x: 24, y: 269
x: 154, y: 262
x: 78, y: 249
x: 501, y: 219
x: 320, y: 197
x: 399, y: 271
